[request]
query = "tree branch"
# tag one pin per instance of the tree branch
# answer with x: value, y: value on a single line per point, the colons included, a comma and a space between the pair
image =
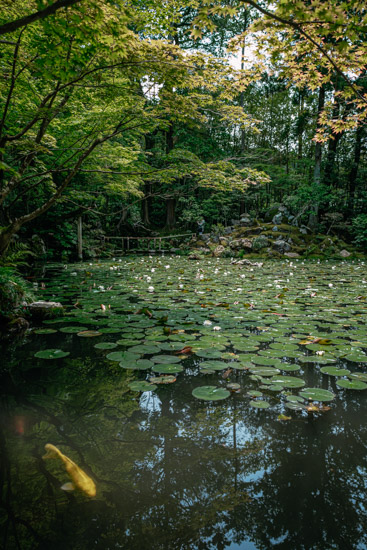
x: 28, y: 19
x: 298, y: 27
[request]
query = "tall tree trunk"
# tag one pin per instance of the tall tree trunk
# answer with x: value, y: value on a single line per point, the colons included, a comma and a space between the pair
x: 145, y: 207
x: 170, y: 213
x: 352, y: 178
x: 314, y: 215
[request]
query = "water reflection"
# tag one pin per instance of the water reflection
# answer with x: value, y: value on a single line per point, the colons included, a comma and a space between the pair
x: 172, y: 473
x: 173, y: 476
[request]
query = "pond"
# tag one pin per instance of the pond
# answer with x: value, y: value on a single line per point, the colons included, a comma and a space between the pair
x: 207, y: 405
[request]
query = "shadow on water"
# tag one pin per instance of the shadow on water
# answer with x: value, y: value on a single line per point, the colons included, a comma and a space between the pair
x: 171, y: 472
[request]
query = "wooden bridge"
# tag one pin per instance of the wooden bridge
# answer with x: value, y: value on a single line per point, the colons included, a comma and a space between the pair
x: 147, y: 244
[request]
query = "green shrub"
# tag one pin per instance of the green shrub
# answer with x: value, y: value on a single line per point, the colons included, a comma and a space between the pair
x: 13, y: 290
x: 359, y: 230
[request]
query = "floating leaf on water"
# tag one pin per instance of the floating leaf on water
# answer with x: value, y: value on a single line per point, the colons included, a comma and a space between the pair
x: 317, y: 394
x: 275, y: 387
x: 264, y: 361
x: 122, y: 356
x: 210, y: 393
x: 264, y: 371
x: 142, y: 385
x: 207, y: 371
x: 351, y: 384
x: 45, y: 331
x: 144, y: 349
x: 109, y: 330
x: 167, y: 368
x: 358, y: 376
x: 233, y: 386
x: 289, y: 368
x: 259, y: 404
x: 209, y: 353
x: 254, y: 393
x: 214, y: 365
x: 334, y: 371
x: 105, y: 345
x: 295, y: 406
x: 284, y: 417
x: 356, y: 358
x: 89, y: 333
x: 140, y: 364
x: 288, y: 381
x: 165, y: 359
x: 51, y: 354
x: 294, y: 399
x: 72, y: 330
x: 162, y: 379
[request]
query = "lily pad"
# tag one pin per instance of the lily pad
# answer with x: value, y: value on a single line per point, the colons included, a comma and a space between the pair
x: 142, y: 385
x: 165, y: 359
x: 334, y: 371
x: 144, y: 349
x: 72, y: 330
x: 51, y: 354
x: 140, y: 364
x: 89, y: 333
x: 105, y: 345
x: 45, y: 331
x: 209, y: 353
x: 317, y: 394
x: 167, y: 369
x: 122, y: 355
x: 210, y: 393
x: 351, y: 384
x: 259, y: 404
x: 295, y: 399
x: 214, y: 365
x: 162, y: 379
x: 288, y: 381
x: 254, y: 393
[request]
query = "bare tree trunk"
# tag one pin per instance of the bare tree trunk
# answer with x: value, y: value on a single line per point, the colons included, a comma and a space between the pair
x: 170, y: 213
x: 314, y: 215
x: 354, y: 169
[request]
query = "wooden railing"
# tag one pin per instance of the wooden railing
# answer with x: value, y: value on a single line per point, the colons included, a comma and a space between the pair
x: 137, y: 244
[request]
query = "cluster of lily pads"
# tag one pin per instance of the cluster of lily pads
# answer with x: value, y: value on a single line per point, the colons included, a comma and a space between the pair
x: 268, y: 328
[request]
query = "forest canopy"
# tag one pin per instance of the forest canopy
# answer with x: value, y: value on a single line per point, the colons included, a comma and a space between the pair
x: 143, y: 116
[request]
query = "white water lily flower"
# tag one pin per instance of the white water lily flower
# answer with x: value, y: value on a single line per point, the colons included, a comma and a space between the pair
x: 320, y: 353
x: 152, y: 270
x: 217, y: 328
x: 330, y: 285
x: 150, y: 288
x: 207, y: 323
x: 167, y: 266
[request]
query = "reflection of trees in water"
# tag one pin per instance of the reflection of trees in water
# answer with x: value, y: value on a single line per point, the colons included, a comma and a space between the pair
x: 177, y: 474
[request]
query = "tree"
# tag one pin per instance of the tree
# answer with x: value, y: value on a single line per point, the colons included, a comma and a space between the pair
x: 65, y: 99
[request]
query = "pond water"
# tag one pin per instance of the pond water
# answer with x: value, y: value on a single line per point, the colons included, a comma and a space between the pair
x: 260, y: 442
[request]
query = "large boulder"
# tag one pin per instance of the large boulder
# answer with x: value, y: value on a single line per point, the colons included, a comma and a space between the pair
x: 344, y: 253
x: 45, y: 310
x: 246, y: 244
x: 223, y: 241
x: 218, y: 251
x: 281, y: 246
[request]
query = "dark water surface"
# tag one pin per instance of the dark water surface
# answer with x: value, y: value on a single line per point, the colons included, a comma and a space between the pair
x: 174, y: 472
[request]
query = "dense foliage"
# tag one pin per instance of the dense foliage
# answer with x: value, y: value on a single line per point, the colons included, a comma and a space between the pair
x: 141, y: 120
